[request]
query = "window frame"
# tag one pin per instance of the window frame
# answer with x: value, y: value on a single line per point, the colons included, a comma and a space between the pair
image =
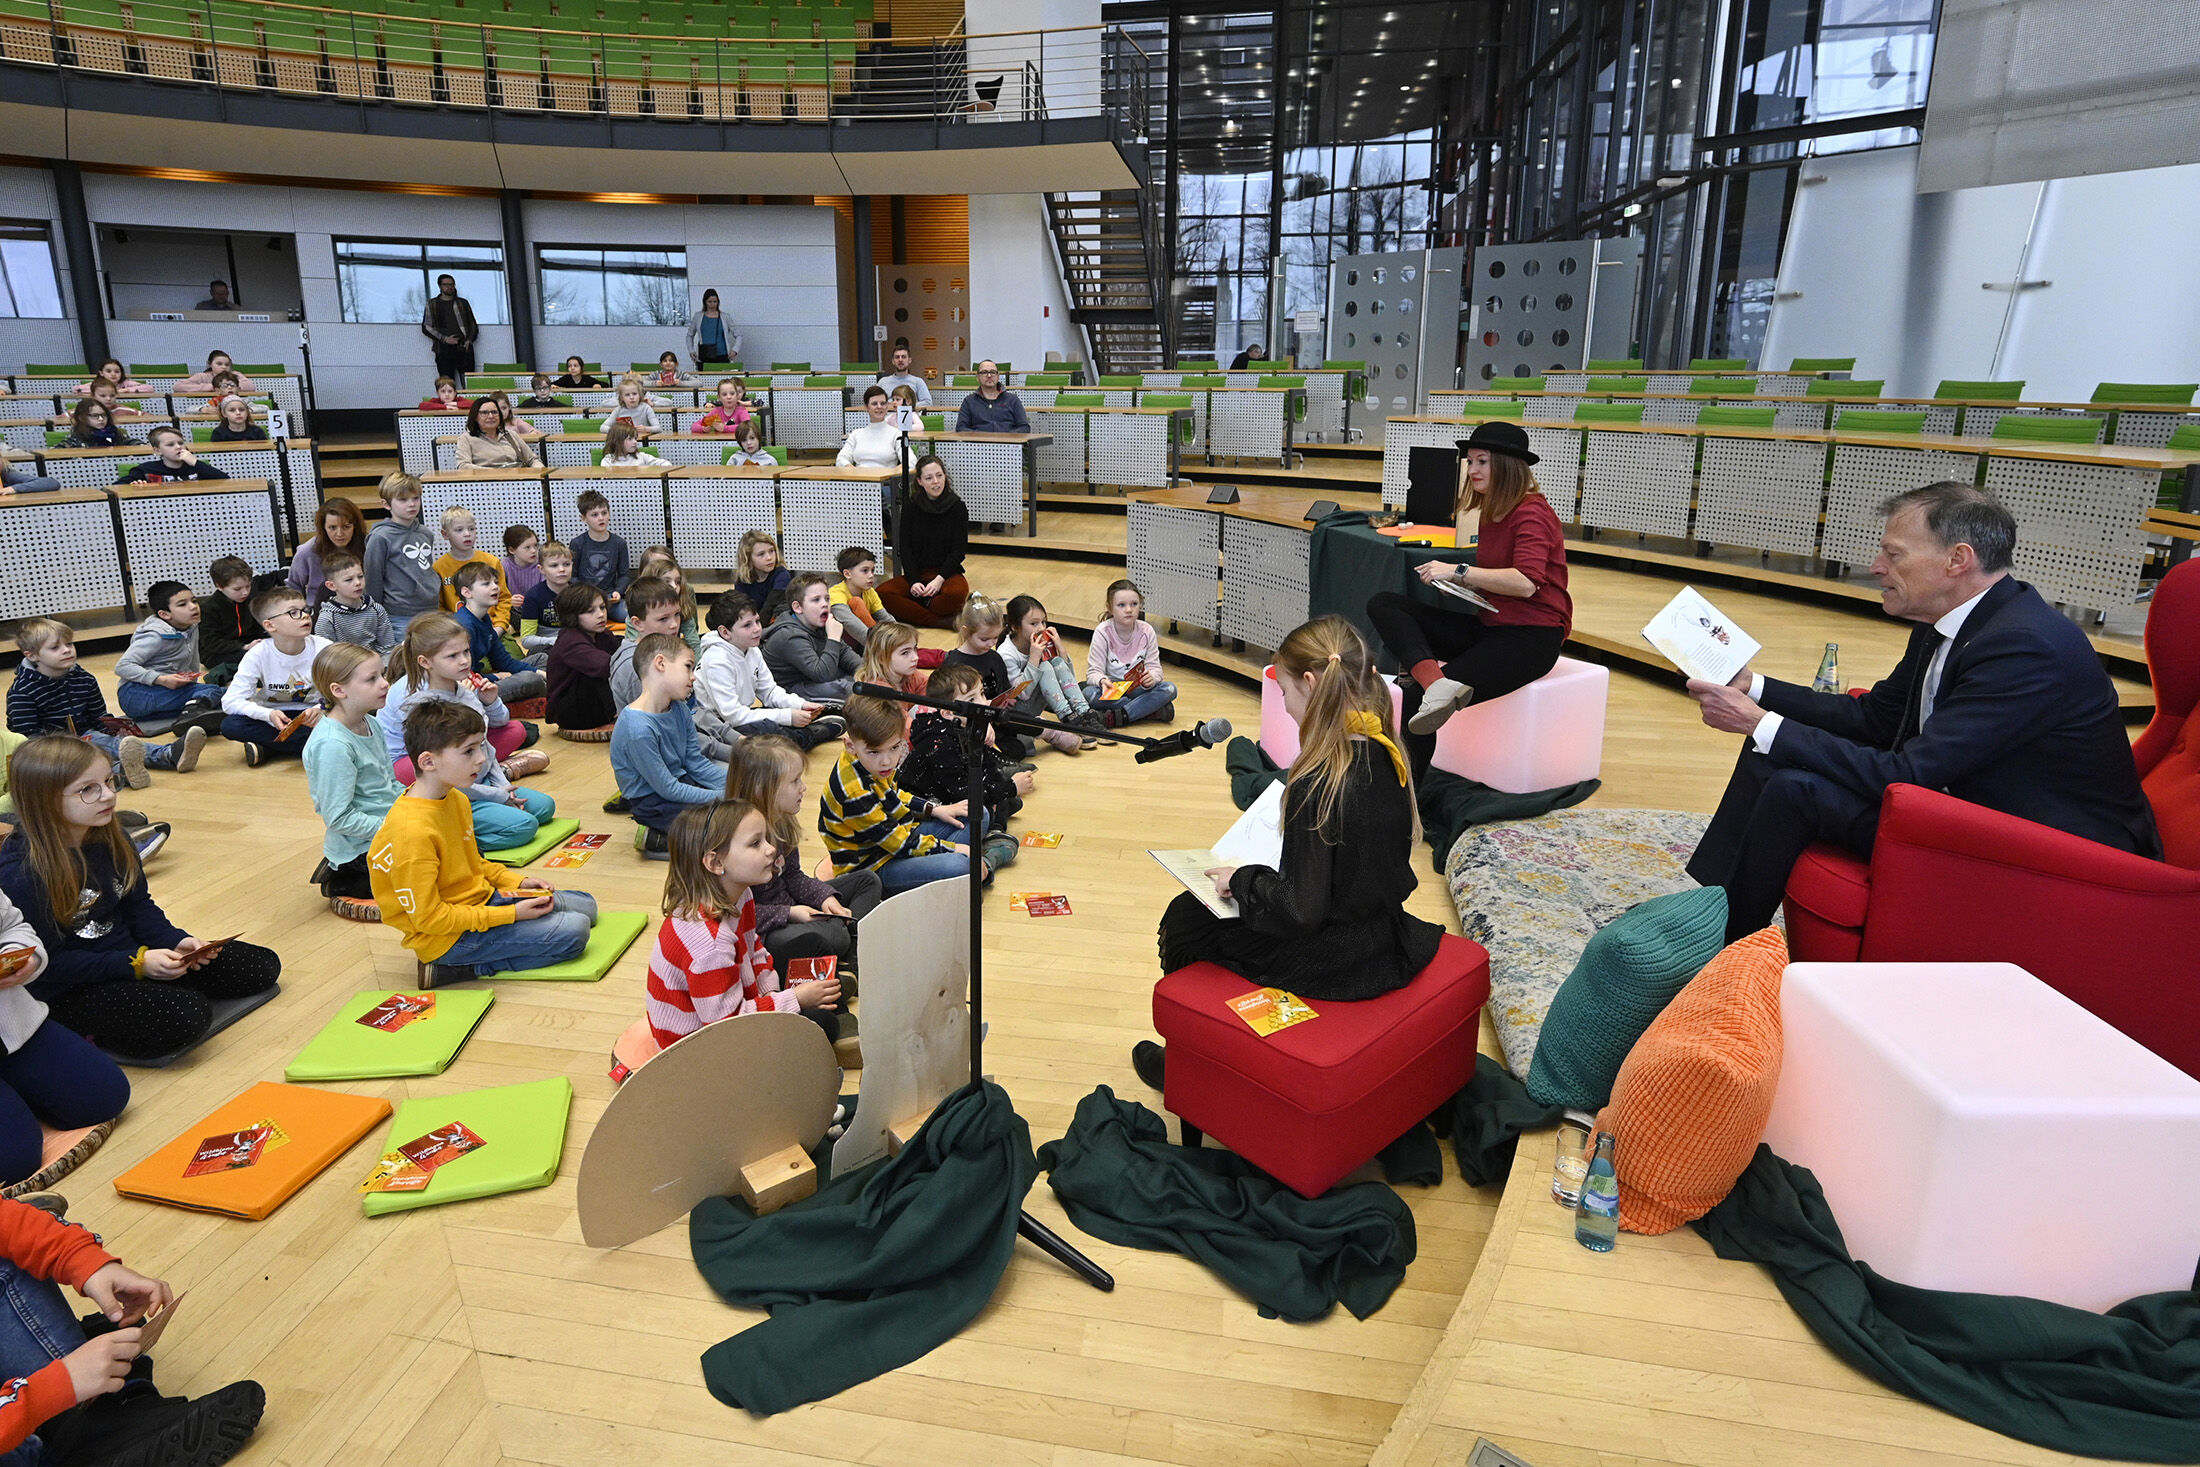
x: 603, y: 274
x: 429, y: 269
x: 53, y: 264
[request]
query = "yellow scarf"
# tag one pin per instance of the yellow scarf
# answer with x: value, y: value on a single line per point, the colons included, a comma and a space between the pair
x: 1367, y: 723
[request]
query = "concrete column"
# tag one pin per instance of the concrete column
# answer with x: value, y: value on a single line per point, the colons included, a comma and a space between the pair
x: 76, y: 247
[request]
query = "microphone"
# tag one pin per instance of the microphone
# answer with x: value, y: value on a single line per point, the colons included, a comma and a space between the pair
x: 1206, y: 736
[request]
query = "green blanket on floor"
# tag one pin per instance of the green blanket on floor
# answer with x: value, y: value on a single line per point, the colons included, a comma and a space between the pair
x: 1120, y: 1178
x: 2124, y: 1385
x: 876, y: 1269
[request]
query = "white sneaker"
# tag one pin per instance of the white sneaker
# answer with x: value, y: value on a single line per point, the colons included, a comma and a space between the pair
x: 188, y: 749
x: 132, y: 751
x: 1443, y: 698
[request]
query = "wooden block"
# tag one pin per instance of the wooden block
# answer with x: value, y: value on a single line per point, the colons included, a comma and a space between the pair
x: 783, y: 1177
x: 903, y: 1131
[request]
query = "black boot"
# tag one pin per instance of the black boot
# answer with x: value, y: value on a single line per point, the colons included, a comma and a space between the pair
x: 1148, y: 1059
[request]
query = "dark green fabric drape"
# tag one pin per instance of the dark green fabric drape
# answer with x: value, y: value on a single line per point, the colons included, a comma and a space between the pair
x: 2123, y: 1385
x: 1120, y: 1178
x: 877, y: 1268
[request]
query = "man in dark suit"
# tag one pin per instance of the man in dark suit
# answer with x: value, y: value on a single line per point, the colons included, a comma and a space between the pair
x: 1999, y: 700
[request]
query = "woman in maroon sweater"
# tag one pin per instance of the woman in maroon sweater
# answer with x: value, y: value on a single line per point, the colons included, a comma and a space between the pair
x: 1457, y: 657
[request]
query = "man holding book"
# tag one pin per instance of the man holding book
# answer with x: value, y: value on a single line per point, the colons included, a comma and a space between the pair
x: 1998, y: 700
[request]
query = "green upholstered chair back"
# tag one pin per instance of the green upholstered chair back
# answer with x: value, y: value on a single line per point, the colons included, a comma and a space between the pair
x: 1861, y: 421
x: 1122, y: 379
x: 1717, y: 364
x: 1628, y: 386
x: 159, y: 369
x: 1210, y: 382
x: 1822, y: 364
x: 1735, y: 417
x: 2035, y: 428
x: 1722, y: 386
x: 1843, y: 387
x: 821, y: 380
x: 1955, y: 387
x: 2185, y: 437
x: 1517, y: 384
x: 1608, y: 412
x: 1484, y: 408
x: 2179, y: 393
x: 585, y: 425
x: 1080, y: 399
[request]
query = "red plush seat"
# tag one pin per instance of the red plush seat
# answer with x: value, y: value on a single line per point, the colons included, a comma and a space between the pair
x: 1950, y: 881
x: 1314, y: 1101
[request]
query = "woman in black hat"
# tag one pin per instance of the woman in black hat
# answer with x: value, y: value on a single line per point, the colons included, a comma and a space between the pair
x: 1453, y: 654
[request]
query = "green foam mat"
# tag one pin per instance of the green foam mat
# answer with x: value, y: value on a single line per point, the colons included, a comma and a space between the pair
x: 613, y: 934
x: 345, y: 1049
x: 523, y: 1127
x: 552, y: 833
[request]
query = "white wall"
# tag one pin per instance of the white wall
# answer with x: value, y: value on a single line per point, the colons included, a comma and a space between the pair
x: 1018, y: 312
x: 1875, y: 270
x: 27, y: 193
x: 775, y: 269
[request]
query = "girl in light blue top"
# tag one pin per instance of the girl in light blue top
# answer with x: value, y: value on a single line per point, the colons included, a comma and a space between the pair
x: 347, y: 766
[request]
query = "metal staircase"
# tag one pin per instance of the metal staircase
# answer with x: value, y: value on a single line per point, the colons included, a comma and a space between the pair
x: 1105, y: 249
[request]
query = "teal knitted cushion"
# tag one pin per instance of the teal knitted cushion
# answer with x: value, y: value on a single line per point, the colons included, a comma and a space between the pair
x: 1628, y: 973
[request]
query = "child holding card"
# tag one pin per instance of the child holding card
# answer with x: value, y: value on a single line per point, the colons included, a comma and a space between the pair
x: 348, y: 773
x: 48, y: 1366
x: 72, y: 871
x: 797, y: 915
x: 48, y: 1072
x: 709, y: 964
x: 1329, y: 921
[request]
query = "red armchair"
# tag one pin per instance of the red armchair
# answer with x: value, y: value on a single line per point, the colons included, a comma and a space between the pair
x: 1952, y: 881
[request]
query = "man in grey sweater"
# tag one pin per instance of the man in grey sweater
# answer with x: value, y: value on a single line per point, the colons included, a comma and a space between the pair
x: 401, y: 556
x: 159, y: 671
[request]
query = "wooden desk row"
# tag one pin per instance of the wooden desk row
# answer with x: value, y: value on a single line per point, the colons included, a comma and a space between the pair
x: 2140, y: 424
x: 420, y: 430
x: 2080, y: 509
x: 287, y: 391
x: 1239, y: 423
x: 30, y: 435
x: 97, y: 549
x: 1773, y: 383
x: 287, y: 463
x: 700, y: 511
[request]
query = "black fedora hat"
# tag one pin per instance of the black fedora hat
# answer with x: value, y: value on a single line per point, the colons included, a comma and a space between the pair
x: 1498, y: 436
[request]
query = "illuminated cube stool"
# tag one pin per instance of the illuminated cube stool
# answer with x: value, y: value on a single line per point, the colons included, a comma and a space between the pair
x: 1547, y: 734
x: 1976, y: 1130
x: 1279, y: 736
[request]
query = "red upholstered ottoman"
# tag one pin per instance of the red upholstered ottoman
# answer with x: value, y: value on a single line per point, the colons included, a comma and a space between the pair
x: 1311, y: 1103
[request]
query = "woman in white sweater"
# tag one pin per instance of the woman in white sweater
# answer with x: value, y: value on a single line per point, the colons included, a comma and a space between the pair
x: 878, y: 443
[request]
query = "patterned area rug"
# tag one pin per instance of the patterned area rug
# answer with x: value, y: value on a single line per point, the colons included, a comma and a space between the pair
x: 1532, y: 892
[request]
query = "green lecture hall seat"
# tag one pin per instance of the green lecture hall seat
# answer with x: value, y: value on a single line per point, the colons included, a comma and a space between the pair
x: 506, y: 369
x: 1608, y: 412
x: 1822, y: 364
x: 585, y: 425
x: 1722, y: 386
x: 1862, y: 421
x: 1208, y: 382
x: 1624, y: 386
x: 1735, y: 417
x: 868, y: 369
x: 1123, y: 379
x: 1047, y: 379
x: 2038, y: 428
x: 821, y: 380
x: 1717, y: 364
x: 2174, y: 393
x: 1844, y: 387
x: 1080, y: 399
x: 1206, y: 366
x: 1960, y: 390
x: 1517, y: 384
x: 159, y: 369
x: 1474, y: 408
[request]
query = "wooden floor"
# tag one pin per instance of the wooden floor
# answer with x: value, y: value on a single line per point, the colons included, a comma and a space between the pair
x: 486, y: 1332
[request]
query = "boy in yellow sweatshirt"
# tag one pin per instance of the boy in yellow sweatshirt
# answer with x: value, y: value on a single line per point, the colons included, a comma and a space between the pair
x: 462, y: 916
x: 459, y: 532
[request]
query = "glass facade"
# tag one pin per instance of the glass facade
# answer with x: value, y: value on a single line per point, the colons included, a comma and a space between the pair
x: 587, y: 286
x: 389, y: 281
x: 29, y: 283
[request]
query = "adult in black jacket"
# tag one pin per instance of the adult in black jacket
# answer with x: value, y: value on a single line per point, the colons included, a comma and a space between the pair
x: 448, y: 322
x: 931, y: 537
x: 1998, y: 700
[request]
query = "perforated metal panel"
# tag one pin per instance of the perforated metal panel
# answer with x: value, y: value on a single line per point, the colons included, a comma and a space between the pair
x: 1063, y: 460
x: 87, y: 578
x: 1399, y: 313
x: 446, y: 455
x: 706, y: 451
x: 1638, y: 481
x: 710, y: 515
x: 1678, y: 412
x: 988, y: 476
x: 1131, y: 449
x: 2148, y: 430
x: 27, y: 407
x: 1549, y: 306
x: 1248, y: 424
x: 1940, y: 418
x: 305, y: 477
x: 1810, y: 415
x: 1762, y: 493
x: 781, y: 381
x: 1398, y: 444
x: 1264, y: 580
x: 98, y: 471
x: 1564, y: 381
x: 809, y: 417
x: 1671, y: 381
x: 819, y: 518
x: 559, y: 451
x: 416, y: 435
x: 589, y: 402
x: 637, y: 510
x: 1031, y: 397
x: 175, y: 536
x: 245, y: 463
x: 1175, y: 556
x: 496, y: 501
x: 1550, y: 409
x: 1168, y: 381
x: 29, y: 436
x: 549, y: 420
x: 2078, y: 535
x: 1560, y: 470
x: 1978, y: 422
x: 1784, y: 384
x: 1864, y: 477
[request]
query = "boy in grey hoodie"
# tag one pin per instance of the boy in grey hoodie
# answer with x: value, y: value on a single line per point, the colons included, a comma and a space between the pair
x: 804, y: 648
x: 346, y: 613
x: 401, y: 556
x: 159, y: 671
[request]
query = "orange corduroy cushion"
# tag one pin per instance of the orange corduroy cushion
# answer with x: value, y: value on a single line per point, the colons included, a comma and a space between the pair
x: 1691, y: 1101
x: 2173, y: 789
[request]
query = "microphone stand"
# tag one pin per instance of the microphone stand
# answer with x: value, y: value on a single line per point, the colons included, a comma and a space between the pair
x: 977, y: 720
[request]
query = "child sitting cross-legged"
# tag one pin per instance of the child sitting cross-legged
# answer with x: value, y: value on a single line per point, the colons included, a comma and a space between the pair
x: 538, y: 609
x: 983, y: 626
x: 53, y: 694
x: 735, y: 695
x: 348, y: 768
x: 1032, y: 653
x: 1127, y: 650
x: 226, y: 624
x: 870, y: 823
x: 479, y: 586
x: 348, y: 614
x: 461, y: 916
x: 159, y: 673
x: 708, y: 963
x: 271, y: 701
x: 48, y: 1073
x: 797, y: 915
x: 579, y: 698
x: 459, y: 532
x: 855, y: 601
x: 71, y: 870
x: 659, y: 761
x: 436, y: 652
x: 935, y: 769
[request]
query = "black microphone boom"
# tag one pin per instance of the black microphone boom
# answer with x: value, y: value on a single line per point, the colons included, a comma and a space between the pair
x: 1206, y: 736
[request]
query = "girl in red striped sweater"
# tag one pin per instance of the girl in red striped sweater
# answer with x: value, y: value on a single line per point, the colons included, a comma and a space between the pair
x: 709, y: 963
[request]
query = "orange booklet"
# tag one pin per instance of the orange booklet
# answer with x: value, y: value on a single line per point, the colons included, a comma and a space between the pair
x: 1267, y: 1010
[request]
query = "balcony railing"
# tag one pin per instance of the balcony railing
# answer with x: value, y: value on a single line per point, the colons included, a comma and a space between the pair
x: 618, y: 59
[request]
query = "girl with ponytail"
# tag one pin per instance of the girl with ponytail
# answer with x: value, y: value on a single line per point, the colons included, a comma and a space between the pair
x: 1330, y: 922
